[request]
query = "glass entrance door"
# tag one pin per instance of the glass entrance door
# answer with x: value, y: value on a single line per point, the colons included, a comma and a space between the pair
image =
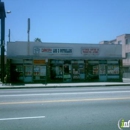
x: 67, y: 72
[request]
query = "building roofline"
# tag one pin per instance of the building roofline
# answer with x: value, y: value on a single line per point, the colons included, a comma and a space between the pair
x: 42, y: 43
x: 123, y: 34
x: 54, y: 42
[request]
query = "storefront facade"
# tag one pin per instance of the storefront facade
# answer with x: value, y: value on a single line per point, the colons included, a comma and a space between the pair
x: 64, y: 62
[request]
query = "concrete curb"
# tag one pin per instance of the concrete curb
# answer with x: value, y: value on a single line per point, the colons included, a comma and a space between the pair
x: 63, y: 85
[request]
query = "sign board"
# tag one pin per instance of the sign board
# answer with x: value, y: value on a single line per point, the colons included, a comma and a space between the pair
x: 49, y: 50
x: 39, y: 62
x: 90, y: 51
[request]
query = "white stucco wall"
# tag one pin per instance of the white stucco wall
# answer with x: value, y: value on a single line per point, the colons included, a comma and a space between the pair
x: 21, y: 49
x: 16, y: 48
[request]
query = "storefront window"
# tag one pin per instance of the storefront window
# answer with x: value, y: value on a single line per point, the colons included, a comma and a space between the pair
x: 102, y: 69
x: 17, y: 73
x: 81, y: 71
x: 95, y: 70
x: 66, y: 69
x: 56, y: 70
x: 39, y: 72
x: 67, y: 72
x: 75, y: 71
x: 92, y: 71
x: 20, y: 72
x: 59, y: 71
x: 42, y: 70
x: 28, y: 70
x: 78, y: 70
x: 19, y: 68
x: 113, y: 69
x: 28, y: 73
x: 36, y: 71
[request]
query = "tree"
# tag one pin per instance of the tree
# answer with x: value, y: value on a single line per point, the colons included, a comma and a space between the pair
x: 37, y: 40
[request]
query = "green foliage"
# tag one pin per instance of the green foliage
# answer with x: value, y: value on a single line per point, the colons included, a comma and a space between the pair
x: 37, y: 40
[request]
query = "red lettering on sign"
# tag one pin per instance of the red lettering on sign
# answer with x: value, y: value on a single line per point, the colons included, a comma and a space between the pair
x: 46, y: 50
x: 90, y: 51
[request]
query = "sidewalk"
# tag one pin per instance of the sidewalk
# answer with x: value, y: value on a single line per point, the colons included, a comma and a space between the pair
x: 60, y: 85
x: 126, y: 80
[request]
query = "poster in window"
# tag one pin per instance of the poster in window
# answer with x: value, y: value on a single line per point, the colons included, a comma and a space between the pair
x: 113, y: 69
x: 95, y: 70
x: 102, y: 69
x: 28, y: 70
x: 43, y: 71
x: 36, y: 70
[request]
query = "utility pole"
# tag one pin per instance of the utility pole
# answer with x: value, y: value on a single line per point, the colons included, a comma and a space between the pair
x: 28, y: 31
x: 9, y: 35
x: 2, y: 17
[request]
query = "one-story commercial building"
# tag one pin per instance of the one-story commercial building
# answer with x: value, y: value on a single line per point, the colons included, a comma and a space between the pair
x: 64, y: 62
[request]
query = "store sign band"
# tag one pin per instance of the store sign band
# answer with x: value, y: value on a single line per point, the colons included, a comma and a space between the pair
x: 49, y: 50
x: 42, y: 50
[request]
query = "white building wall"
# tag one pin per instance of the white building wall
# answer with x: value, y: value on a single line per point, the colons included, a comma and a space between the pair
x: 125, y: 48
x: 16, y: 48
x: 21, y: 49
x: 121, y: 39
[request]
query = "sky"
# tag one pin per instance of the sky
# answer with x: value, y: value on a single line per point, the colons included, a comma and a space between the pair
x: 67, y: 21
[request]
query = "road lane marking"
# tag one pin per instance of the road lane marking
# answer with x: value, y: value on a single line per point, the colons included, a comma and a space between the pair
x: 21, y: 118
x: 71, y: 93
x: 60, y: 101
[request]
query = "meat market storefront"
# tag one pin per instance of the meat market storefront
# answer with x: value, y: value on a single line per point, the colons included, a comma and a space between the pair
x: 55, y: 62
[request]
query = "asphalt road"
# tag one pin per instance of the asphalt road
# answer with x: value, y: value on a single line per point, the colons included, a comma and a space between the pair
x: 91, y: 108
